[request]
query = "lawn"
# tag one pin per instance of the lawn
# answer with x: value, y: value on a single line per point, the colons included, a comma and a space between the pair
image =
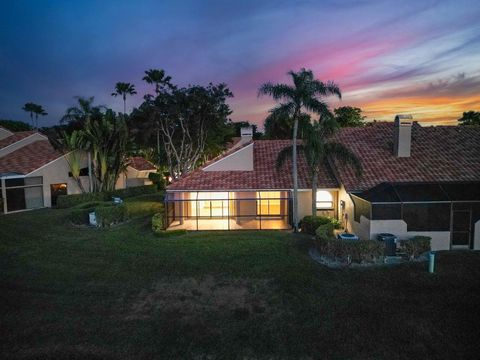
x: 77, y: 292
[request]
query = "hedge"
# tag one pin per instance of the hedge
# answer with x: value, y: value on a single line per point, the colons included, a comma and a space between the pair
x: 66, y: 201
x: 354, y: 250
x: 79, y: 215
x: 310, y: 224
x: 416, y: 246
x: 157, y: 222
x: 110, y: 215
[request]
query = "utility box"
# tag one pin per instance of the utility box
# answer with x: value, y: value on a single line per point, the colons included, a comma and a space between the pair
x: 92, y: 217
x: 390, y: 243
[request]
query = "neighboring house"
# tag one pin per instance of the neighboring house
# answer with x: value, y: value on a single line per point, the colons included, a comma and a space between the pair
x: 416, y: 181
x: 33, y: 174
x: 137, y: 173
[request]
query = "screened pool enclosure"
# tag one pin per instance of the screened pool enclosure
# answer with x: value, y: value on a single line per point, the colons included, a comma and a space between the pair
x: 228, y: 210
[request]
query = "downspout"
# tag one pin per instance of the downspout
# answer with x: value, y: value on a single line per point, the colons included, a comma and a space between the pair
x: 4, y: 195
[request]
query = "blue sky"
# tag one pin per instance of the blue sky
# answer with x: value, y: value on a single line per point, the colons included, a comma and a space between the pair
x: 419, y: 57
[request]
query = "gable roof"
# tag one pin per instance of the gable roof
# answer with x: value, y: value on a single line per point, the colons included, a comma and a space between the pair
x: 29, y: 158
x: 141, y: 164
x: 438, y: 154
x: 264, y: 175
x: 17, y: 136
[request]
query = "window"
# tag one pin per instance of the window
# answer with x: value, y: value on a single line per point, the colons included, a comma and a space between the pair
x: 24, y: 193
x: 213, y: 204
x: 324, y: 200
x: 83, y: 172
x: 269, y: 203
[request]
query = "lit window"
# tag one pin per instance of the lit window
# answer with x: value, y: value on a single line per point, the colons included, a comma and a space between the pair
x: 213, y: 204
x: 324, y: 200
x: 268, y: 203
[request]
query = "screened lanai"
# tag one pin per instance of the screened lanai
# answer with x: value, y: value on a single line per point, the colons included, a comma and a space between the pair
x: 428, y: 207
x: 228, y: 210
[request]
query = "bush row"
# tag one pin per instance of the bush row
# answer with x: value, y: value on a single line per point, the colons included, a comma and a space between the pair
x: 353, y: 250
x: 106, y: 213
x: 66, y: 201
x: 310, y: 224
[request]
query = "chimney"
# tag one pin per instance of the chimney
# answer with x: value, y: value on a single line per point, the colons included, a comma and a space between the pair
x: 246, y: 134
x: 403, y: 135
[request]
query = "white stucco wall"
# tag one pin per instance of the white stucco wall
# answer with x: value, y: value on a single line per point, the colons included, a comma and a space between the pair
x: 440, y: 239
x: 56, y: 172
x: 362, y: 228
x: 241, y: 160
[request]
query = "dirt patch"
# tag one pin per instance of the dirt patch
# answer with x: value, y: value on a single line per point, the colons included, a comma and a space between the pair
x: 190, y: 298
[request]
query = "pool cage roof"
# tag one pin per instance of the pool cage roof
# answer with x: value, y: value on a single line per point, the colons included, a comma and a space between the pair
x: 422, y: 192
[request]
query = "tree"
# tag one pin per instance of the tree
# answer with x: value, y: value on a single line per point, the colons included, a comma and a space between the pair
x: 156, y: 77
x: 39, y: 110
x: 107, y: 139
x: 124, y: 89
x: 76, y: 116
x: 317, y: 147
x: 14, y: 125
x: 305, y: 95
x: 71, y: 145
x: 470, y: 118
x: 348, y: 116
x: 30, y: 108
x: 279, y: 125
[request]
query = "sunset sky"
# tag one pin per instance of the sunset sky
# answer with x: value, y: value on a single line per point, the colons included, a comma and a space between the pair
x: 389, y: 57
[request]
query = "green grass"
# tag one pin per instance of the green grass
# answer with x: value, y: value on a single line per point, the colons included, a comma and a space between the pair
x: 124, y: 293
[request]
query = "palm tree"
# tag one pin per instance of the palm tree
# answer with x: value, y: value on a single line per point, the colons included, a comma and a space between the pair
x: 304, y: 95
x: 30, y: 108
x: 76, y: 116
x: 38, y: 110
x: 317, y: 147
x: 124, y: 89
x: 158, y: 78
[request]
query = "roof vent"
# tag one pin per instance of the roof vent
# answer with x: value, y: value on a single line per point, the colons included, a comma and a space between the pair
x: 402, y: 141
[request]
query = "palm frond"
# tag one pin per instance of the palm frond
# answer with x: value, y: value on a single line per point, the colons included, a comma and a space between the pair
x: 343, y: 154
x: 277, y: 91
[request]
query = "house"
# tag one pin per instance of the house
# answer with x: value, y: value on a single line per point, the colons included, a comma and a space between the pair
x: 137, y: 173
x: 33, y: 173
x: 417, y: 181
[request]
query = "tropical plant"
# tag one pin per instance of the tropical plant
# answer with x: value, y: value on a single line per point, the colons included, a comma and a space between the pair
x: 470, y: 118
x: 30, y: 108
x: 317, y: 146
x: 348, y: 116
x: 305, y: 94
x: 157, y: 77
x: 123, y: 89
x: 76, y: 116
x: 71, y: 145
x: 107, y: 139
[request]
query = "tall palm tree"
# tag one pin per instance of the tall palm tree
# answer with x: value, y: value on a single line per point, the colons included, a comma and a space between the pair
x: 124, y: 89
x: 305, y: 95
x: 39, y: 110
x: 317, y: 146
x: 30, y: 108
x: 158, y: 78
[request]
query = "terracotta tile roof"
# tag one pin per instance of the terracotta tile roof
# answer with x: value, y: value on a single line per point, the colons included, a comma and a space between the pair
x: 438, y: 154
x: 264, y: 176
x: 139, y: 163
x: 29, y: 158
x: 15, y: 137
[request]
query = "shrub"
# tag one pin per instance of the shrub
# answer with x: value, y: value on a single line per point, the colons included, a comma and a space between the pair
x: 146, y: 205
x: 310, y: 224
x: 158, y: 179
x: 157, y: 222
x: 165, y: 233
x: 358, y: 250
x: 325, y: 230
x: 110, y: 215
x: 66, y: 201
x: 415, y: 246
x: 79, y: 215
